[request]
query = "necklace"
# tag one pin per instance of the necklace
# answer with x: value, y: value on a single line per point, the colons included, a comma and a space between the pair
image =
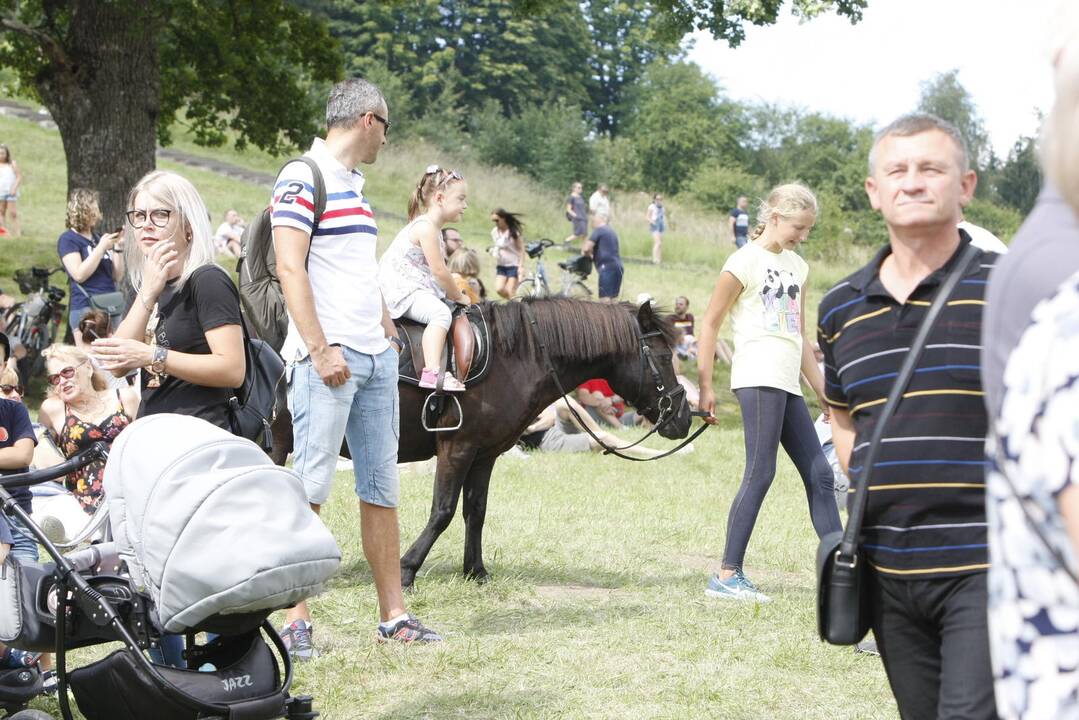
x: 84, y: 410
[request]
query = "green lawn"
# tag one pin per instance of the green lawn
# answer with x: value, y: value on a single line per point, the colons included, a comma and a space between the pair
x: 596, y: 607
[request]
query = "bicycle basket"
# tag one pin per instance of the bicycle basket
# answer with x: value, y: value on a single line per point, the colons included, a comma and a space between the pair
x: 28, y: 281
x: 534, y: 249
x: 580, y: 266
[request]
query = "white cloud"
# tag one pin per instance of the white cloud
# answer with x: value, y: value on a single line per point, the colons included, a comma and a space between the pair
x: 871, y: 72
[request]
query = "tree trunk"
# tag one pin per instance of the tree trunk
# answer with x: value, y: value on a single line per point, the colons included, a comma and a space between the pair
x: 105, y: 99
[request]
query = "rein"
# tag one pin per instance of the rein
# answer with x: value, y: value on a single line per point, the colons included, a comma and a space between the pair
x: 665, y: 403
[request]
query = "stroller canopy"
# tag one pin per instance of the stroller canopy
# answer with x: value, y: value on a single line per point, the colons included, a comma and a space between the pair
x: 208, y: 525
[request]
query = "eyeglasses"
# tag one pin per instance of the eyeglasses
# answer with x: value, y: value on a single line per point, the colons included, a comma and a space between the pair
x: 451, y: 174
x: 9, y: 389
x: 67, y: 373
x: 384, y: 121
x: 159, y: 217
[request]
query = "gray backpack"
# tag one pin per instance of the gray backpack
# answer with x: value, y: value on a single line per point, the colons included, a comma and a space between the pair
x: 208, y: 526
x: 260, y: 291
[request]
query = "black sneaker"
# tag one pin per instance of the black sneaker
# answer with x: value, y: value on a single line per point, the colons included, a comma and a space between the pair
x: 409, y: 630
x: 297, y: 638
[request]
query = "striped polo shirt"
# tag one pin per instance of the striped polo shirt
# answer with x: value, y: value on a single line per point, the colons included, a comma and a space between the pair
x: 342, y: 265
x: 925, y: 516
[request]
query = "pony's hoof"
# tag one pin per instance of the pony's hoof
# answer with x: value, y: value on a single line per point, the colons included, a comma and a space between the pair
x: 408, y: 581
x: 480, y: 576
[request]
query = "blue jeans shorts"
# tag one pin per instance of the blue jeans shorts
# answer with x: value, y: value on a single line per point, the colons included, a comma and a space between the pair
x: 25, y: 545
x: 610, y: 280
x: 364, y: 411
x: 509, y: 271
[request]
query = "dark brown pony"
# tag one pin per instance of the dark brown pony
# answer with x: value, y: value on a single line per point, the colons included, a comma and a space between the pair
x: 583, y: 340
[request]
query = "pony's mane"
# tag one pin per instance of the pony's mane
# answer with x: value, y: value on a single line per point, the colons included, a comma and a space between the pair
x: 574, y: 329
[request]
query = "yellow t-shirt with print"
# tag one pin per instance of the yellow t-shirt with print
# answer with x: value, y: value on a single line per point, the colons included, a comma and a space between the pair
x: 767, y: 318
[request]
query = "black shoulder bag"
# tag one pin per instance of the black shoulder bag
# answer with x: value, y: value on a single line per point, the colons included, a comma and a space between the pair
x: 843, y: 610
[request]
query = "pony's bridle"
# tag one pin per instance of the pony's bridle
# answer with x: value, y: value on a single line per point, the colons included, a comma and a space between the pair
x: 665, y: 400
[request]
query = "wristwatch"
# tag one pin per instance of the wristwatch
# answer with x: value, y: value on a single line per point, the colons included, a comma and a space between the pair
x: 397, y: 341
x: 157, y: 365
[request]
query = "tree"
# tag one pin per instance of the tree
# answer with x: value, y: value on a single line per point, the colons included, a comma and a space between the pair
x: 1020, y: 177
x: 945, y: 97
x: 725, y: 19
x: 115, y: 74
x: 679, y: 122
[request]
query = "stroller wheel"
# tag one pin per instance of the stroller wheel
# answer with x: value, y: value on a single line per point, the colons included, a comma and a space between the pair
x: 30, y: 715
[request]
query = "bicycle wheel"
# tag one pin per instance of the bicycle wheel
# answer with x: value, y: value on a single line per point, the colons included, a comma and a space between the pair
x: 577, y: 290
x: 528, y: 289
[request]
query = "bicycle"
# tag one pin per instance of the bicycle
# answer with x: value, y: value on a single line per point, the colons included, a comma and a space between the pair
x: 35, y: 322
x: 574, y: 272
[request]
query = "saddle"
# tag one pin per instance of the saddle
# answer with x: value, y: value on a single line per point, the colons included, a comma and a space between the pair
x: 467, y: 354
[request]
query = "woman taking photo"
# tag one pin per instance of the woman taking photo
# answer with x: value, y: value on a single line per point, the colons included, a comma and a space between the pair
x: 88, y: 258
x: 509, y: 251
x: 762, y: 287
x: 81, y: 409
x: 183, y: 328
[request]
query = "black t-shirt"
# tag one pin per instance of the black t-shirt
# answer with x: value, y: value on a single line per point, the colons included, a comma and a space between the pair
x: 207, y: 300
x: 14, y: 426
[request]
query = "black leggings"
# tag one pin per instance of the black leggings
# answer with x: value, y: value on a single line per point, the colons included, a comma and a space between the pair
x: 770, y: 417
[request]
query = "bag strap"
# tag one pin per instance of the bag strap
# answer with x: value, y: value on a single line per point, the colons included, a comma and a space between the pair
x: 848, y: 547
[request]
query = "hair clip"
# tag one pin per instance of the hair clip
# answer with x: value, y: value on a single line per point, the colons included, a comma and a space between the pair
x: 431, y: 169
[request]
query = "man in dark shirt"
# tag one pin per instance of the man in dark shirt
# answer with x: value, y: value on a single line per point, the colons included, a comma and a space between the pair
x: 602, y: 245
x: 924, y: 533
x: 683, y: 319
x: 739, y: 221
x: 17, y: 441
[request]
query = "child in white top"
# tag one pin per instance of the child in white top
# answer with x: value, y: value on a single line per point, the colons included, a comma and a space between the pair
x: 412, y: 272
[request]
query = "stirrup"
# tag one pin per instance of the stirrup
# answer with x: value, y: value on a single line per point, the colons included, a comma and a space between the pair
x: 433, y: 406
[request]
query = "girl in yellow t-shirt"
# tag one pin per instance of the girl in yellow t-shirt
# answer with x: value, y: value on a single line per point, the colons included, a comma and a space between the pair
x: 762, y: 288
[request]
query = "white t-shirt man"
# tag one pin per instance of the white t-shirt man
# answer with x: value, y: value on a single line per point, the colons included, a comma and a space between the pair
x: 342, y: 265
x: 983, y: 239
x: 599, y: 204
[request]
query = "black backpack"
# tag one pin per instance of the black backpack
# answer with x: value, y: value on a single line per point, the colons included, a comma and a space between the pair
x: 253, y: 406
x: 261, y: 298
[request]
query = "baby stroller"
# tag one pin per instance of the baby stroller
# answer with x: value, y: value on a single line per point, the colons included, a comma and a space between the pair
x: 158, y: 577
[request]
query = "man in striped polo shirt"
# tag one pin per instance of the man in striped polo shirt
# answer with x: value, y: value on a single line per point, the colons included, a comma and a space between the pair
x: 924, y: 533
x: 342, y: 371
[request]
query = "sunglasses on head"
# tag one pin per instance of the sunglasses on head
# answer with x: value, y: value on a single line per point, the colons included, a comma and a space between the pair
x: 67, y: 373
x: 451, y: 174
x: 8, y: 389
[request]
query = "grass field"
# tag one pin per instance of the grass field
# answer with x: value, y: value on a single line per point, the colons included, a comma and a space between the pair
x: 596, y: 607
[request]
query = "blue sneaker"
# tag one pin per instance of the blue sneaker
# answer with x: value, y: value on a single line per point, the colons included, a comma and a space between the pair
x: 736, y: 587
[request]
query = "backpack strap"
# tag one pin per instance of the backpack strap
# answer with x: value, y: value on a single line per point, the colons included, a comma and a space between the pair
x: 319, y: 185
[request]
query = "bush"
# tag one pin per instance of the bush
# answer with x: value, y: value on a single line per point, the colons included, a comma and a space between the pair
x: 548, y: 143
x: 716, y: 186
x: 999, y: 220
x: 618, y: 163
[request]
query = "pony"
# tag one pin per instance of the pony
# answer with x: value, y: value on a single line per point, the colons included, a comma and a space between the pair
x: 538, y: 348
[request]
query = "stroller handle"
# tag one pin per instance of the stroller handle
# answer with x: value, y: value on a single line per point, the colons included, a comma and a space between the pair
x: 97, y: 451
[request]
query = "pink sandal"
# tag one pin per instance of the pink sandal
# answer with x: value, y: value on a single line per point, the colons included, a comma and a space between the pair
x: 429, y: 381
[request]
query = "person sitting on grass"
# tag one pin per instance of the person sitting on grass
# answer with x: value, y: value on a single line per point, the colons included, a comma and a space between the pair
x: 558, y: 430
x: 412, y: 272
x: 682, y: 319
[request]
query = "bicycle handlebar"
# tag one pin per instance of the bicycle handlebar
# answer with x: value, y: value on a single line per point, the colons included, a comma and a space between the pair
x: 97, y: 451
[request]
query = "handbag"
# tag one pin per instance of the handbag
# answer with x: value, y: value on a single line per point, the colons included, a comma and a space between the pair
x: 843, y: 602
x: 112, y: 303
x: 253, y: 406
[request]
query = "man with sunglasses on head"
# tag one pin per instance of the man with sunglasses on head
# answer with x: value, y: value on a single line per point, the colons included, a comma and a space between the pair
x: 342, y: 371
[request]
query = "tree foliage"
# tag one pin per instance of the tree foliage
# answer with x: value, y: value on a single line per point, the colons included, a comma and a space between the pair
x: 114, y: 75
x: 1020, y: 177
x: 945, y: 97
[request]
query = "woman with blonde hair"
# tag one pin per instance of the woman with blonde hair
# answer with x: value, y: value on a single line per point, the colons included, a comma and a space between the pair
x: 92, y: 262
x: 183, y: 328
x: 762, y: 287
x: 82, y: 410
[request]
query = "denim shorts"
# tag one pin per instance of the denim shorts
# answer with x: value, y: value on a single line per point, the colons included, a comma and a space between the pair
x: 509, y: 271
x: 364, y: 411
x: 25, y: 545
x: 610, y: 280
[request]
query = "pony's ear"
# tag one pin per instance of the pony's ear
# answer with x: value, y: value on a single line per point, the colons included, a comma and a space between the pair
x: 646, y: 316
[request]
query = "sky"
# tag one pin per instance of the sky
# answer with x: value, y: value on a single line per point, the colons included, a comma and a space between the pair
x: 872, y: 72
